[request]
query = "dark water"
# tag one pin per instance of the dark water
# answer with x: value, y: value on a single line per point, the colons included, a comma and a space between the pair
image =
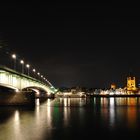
x: 67, y: 119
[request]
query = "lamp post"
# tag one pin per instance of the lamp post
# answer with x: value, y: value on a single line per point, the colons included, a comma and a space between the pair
x: 22, y: 63
x: 28, y: 67
x: 14, y: 57
x: 38, y: 75
x: 42, y: 78
x: 34, y: 70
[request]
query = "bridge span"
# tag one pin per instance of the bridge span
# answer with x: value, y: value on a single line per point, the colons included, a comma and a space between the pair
x: 21, y: 81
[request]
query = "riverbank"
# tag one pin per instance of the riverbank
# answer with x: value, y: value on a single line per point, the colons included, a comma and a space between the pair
x: 17, y: 99
x: 70, y: 96
x: 107, y: 96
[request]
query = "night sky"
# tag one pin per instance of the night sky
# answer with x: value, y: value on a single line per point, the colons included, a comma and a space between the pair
x: 75, y: 44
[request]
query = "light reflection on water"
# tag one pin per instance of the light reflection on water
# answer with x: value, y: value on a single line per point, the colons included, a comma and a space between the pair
x: 63, y: 117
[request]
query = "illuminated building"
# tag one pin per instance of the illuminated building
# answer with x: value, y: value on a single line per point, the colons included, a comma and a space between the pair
x: 113, y: 86
x: 131, y: 84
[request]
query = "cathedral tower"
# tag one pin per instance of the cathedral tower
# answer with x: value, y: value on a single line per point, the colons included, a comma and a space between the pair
x: 131, y: 83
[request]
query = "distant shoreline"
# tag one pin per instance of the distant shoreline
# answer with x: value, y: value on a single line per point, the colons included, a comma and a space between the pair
x: 98, y: 96
x: 107, y: 96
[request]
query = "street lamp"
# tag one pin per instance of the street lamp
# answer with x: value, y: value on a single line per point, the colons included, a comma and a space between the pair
x: 34, y: 70
x: 42, y: 78
x: 14, y: 57
x: 22, y: 63
x: 38, y: 75
x: 28, y: 66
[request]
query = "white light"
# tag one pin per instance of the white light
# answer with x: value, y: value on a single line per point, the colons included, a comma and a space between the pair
x: 37, y: 91
x: 111, y: 93
x: 27, y: 65
x: 21, y: 61
x: 14, y: 56
x: 41, y: 75
x: 48, y: 102
x: 38, y: 73
x: 65, y: 102
x: 37, y: 102
x: 17, y: 90
x: 34, y: 70
x: 56, y: 90
x: 16, y: 116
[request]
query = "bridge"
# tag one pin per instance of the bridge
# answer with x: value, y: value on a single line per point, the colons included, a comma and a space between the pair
x: 10, y: 77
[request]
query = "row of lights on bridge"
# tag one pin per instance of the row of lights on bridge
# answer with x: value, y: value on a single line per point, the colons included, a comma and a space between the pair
x: 28, y: 68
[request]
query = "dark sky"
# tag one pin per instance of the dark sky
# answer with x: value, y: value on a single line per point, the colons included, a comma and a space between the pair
x: 75, y: 44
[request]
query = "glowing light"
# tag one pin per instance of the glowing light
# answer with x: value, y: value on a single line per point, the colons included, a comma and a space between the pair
x: 65, y: 101
x: 112, y: 111
x: 49, y: 112
x: 37, y: 91
x: 3, y: 78
x: 34, y: 70
x: 38, y: 73
x: 56, y: 90
x: 17, y: 90
x: 27, y: 65
x: 37, y: 102
x: 112, y: 102
x: 15, y: 81
x: 21, y: 61
x: 16, y: 116
x: 14, y: 56
x: 111, y: 93
x: 48, y: 102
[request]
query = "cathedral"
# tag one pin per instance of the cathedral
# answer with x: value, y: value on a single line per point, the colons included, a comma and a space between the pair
x: 131, y: 84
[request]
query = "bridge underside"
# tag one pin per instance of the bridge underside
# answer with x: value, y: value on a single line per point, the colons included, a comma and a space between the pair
x: 39, y: 92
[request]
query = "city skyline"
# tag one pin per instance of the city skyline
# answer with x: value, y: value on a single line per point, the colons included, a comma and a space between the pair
x: 90, y: 45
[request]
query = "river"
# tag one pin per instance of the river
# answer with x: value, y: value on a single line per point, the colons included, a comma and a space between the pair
x: 72, y: 118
